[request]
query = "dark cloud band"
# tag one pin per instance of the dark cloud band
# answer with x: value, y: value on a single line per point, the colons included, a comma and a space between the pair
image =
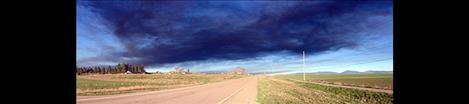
x: 170, y: 32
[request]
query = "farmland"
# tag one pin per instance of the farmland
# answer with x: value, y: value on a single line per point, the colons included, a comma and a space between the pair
x: 292, y: 89
x: 377, y: 81
x: 109, y: 84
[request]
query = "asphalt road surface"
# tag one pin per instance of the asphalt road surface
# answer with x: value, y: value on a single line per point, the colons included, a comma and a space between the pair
x: 236, y: 91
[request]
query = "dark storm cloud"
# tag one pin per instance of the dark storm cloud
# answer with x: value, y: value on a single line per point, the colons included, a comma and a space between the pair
x: 162, y: 32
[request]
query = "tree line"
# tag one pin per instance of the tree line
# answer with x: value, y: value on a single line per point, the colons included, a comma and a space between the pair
x: 119, y: 68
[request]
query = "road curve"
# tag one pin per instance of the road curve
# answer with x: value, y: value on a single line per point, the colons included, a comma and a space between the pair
x: 236, y: 91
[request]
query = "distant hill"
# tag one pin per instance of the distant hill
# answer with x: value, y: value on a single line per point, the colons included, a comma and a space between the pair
x: 367, y: 72
x: 351, y: 72
x: 379, y: 72
x: 267, y: 72
x: 325, y: 72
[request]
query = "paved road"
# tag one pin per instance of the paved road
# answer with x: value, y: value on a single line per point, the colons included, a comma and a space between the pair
x: 237, y: 91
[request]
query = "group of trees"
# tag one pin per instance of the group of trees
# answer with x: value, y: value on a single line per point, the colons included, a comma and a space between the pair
x: 120, y: 68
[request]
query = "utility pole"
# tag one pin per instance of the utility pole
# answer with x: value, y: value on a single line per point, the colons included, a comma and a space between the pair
x: 304, y: 70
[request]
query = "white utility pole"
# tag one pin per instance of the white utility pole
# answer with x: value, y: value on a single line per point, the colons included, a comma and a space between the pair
x: 304, y: 70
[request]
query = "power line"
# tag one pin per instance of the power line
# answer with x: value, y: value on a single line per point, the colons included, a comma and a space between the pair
x: 304, y: 72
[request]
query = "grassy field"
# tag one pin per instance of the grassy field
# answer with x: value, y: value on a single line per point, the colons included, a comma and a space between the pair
x: 286, y: 89
x: 92, y: 85
x: 377, y: 81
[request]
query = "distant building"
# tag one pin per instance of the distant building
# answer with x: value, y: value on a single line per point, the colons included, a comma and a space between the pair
x: 128, y: 72
x: 238, y: 70
x: 180, y: 70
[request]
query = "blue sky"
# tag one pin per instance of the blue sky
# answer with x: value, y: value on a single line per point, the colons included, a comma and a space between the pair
x: 218, y: 35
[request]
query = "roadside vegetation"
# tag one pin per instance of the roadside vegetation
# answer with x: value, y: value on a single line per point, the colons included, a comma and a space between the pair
x: 288, y: 89
x: 377, y: 81
x: 108, y: 84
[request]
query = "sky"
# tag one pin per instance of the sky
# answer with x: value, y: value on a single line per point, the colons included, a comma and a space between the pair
x: 261, y: 36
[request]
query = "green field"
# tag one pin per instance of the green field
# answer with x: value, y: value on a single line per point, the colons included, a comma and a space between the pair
x: 91, y: 85
x: 378, y: 81
x: 290, y: 89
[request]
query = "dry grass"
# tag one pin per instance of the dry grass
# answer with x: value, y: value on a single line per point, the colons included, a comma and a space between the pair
x: 109, y: 84
x: 274, y: 90
x: 377, y: 81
